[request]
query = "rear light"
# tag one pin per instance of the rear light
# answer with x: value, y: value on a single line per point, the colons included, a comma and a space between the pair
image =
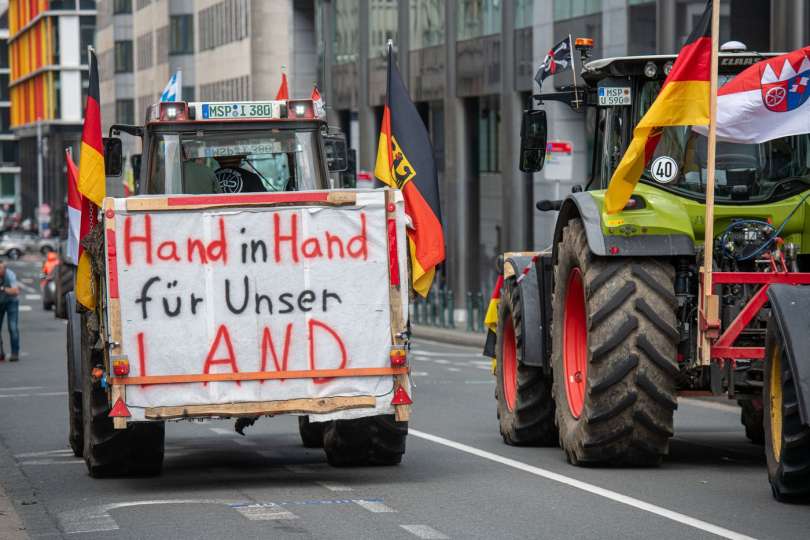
x: 120, y: 367
x: 173, y: 111
x: 399, y: 356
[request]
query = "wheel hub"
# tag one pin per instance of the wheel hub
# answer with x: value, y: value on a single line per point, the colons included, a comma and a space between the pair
x: 575, y: 343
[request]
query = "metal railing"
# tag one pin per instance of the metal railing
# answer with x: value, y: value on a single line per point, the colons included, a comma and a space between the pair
x: 438, y: 309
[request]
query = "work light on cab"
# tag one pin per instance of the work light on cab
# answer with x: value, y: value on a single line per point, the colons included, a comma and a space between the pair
x: 173, y: 111
x: 300, y: 108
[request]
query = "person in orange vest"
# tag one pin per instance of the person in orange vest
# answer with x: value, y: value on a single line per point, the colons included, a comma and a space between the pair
x: 51, y: 261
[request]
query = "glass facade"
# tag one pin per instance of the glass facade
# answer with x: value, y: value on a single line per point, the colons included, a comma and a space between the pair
x: 181, y: 34
x: 123, y: 56
x: 383, y: 23
x: 347, y: 21
x: 476, y: 18
x: 568, y: 9
x: 427, y: 23
x: 524, y: 13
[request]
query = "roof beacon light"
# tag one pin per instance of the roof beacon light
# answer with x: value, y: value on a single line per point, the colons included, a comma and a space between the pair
x: 667, y: 67
x: 650, y: 70
x: 173, y: 111
x: 584, y: 46
x: 733, y: 46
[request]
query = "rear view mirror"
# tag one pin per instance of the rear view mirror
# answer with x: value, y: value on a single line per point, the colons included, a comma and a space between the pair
x: 113, y: 156
x: 533, y: 135
x: 336, y: 154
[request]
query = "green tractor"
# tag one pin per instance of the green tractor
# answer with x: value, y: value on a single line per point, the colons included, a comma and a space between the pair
x: 598, y: 336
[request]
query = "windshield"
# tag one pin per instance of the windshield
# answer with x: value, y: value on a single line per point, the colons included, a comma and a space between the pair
x: 744, y: 172
x: 235, y: 162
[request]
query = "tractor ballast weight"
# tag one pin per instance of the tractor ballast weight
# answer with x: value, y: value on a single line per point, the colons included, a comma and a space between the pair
x: 790, y: 305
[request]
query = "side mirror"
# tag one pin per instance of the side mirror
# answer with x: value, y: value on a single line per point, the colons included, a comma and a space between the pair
x: 113, y: 156
x: 533, y: 135
x: 336, y: 154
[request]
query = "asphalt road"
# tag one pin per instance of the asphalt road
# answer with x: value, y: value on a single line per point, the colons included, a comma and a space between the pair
x: 457, y: 480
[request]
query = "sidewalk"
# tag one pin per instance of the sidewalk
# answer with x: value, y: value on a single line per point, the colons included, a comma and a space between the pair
x: 452, y: 336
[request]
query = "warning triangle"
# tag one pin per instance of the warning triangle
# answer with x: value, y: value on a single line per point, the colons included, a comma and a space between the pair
x: 120, y: 410
x: 401, y: 397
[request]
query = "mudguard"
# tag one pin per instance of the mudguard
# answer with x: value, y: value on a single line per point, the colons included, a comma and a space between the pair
x: 76, y: 337
x: 789, y: 307
x: 532, y: 298
x: 583, y: 205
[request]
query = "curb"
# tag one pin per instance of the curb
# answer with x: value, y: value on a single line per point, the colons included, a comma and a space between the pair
x: 446, y: 335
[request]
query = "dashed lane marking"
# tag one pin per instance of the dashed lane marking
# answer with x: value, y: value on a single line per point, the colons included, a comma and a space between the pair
x: 222, y: 431
x: 74, y: 461
x: 584, y: 486
x: 417, y: 352
x: 724, y: 407
x: 331, y: 486
x: 373, y: 506
x: 33, y: 297
x: 24, y: 307
x: 424, y: 531
x: 263, y: 511
x: 19, y: 388
x: 441, y: 361
x: 453, y: 369
x: 65, y: 451
x: 39, y: 394
x: 419, y: 373
x: 244, y: 442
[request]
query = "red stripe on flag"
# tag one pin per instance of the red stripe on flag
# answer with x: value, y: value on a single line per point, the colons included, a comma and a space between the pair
x: 91, y: 133
x: 427, y: 232
x: 693, y: 62
x: 74, y: 197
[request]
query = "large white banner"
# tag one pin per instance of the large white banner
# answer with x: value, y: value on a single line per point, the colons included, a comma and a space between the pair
x: 256, y: 289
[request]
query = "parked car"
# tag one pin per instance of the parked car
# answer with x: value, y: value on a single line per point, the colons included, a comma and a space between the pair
x: 14, y: 244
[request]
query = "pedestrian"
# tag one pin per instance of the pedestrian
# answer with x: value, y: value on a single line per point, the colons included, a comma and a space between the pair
x: 10, y: 305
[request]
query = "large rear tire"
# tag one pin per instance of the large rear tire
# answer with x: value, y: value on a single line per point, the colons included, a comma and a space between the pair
x: 525, y: 403
x: 374, y: 440
x: 137, y: 450
x: 751, y: 418
x: 76, y: 436
x: 787, y: 440
x: 614, y: 347
x: 311, y: 432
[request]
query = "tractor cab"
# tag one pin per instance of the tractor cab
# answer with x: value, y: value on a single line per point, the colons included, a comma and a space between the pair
x: 617, y: 94
x: 233, y: 147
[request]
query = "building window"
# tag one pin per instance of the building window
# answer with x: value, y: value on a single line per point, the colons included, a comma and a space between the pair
x: 347, y: 20
x: 5, y: 120
x: 524, y: 14
x: 427, y: 23
x: 123, y: 56
x: 489, y: 123
x: 383, y: 22
x: 478, y: 18
x: 62, y: 4
x: 641, y: 22
x: 181, y: 34
x: 9, y: 151
x: 4, y: 87
x: 87, y: 32
x: 145, y: 51
x: 3, y: 54
x: 162, y: 44
x: 143, y: 3
x: 188, y: 93
x: 125, y: 111
x: 221, y: 23
x: 569, y: 9
x: 7, y: 182
x: 122, y: 7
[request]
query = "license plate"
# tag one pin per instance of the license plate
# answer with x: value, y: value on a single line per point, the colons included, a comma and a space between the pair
x: 215, y: 111
x: 609, y: 96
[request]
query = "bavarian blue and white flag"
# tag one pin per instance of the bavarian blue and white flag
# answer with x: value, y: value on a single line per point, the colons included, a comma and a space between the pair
x: 174, y: 89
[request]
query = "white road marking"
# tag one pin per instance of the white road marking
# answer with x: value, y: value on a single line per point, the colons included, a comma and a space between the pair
x: 222, y: 431
x: 244, y: 442
x: 373, y: 506
x: 453, y: 369
x: 440, y: 361
x: 423, y: 531
x: 263, y: 511
x: 40, y: 394
x: 27, y: 288
x: 419, y: 373
x: 728, y: 408
x: 584, y: 486
x: 33, y: 297
x: 64, y: 451
x: 331, y: 486
x: 441, y: 354
x: 488, y: 368
x: 300, y: 469
x: 19, y: 388
x: 23, y: 307
x: 482, y: 363
x: 75, y: 461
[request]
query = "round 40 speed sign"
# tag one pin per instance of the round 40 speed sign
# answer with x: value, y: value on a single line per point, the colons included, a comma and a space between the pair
x: 664, y: 169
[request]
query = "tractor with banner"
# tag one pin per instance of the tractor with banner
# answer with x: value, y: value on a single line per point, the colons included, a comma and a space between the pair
x: 228, y: 289
x: 598, y: 336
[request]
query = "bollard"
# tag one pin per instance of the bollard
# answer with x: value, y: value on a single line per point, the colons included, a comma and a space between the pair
x: 469, y: 309
x: 451, y: 309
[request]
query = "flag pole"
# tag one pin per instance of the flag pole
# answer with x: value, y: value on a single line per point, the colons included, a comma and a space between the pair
x: 573, y: 70
x: 710, y: 301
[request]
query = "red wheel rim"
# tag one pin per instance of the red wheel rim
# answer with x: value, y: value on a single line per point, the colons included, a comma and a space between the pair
x: 509, y: 364
x: 575, y: 343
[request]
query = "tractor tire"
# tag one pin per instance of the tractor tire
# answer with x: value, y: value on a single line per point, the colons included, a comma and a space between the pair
x: 311, y: 432
x: 136, y: 451
x: 374, y: 440
x: 751, y: 418
x: 613, y: 355
x: 64, y: 284
x: 787, y: 440
x: 76, y: 436
x: 523, y: 393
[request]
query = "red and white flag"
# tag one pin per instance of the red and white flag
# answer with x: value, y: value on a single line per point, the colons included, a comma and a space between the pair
x: 766, y: 101
x: 74, y: 199
x: 317, y: 100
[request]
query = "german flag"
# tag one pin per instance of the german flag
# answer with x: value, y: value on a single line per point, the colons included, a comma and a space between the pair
x: 405, y: 161
x: 92, y: 181
x: 682, y: 101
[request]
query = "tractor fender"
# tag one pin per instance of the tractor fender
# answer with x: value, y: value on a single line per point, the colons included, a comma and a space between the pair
x: 76, y: 338
x: 524, y: 269
x: 583, y: 205
x: 789, y: 307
